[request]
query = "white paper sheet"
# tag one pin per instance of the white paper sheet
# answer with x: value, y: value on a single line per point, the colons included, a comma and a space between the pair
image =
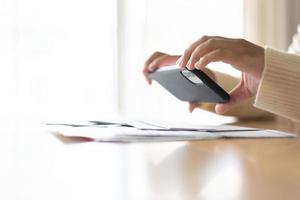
x: 149, y: 132
x: 126, y: 134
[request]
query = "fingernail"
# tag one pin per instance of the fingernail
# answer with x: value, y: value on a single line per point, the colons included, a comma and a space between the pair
x: 189, y: 65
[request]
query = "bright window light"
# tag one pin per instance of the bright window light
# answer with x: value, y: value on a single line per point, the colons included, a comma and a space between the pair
x: 58, y: 58
x: 170, y: 26
x: 83, y: 59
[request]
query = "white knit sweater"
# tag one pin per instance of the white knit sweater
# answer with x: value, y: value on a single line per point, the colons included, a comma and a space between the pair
x: 279, y: 90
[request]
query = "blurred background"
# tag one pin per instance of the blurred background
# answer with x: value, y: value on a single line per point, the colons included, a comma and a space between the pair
x: 83, y: 59
x: 64, y: 59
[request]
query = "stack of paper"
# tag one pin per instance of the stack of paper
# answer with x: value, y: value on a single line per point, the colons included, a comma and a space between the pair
x: 141, y: 131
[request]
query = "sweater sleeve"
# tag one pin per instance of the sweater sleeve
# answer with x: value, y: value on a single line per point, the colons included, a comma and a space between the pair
x: 279, y: 89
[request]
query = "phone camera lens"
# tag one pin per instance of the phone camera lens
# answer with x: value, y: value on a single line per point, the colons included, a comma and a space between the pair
x: 191, y: 77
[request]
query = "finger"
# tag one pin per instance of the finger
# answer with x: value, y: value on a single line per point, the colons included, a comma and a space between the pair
x: 153, y: 57
x: 208, y: 46
x: 187, y: 53
x: 161, y: 61
x: 223, y: 55
x: 158, y: 62
x: 146, y: 75
x: 192, y: 106
x: 179, y: 61
x: 146, y: 64
x: 237, y: 95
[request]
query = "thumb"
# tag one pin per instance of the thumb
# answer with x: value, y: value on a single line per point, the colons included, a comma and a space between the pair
x: 237, y: 95
x: 192, y: 106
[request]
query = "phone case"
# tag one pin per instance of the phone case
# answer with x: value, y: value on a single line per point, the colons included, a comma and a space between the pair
x: 204, y: 89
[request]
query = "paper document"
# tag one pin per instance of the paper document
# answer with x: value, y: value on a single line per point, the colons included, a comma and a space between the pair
x: 140, y: 131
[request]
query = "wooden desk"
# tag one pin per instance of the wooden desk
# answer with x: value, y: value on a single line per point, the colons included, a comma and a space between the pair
x: 35, y: 165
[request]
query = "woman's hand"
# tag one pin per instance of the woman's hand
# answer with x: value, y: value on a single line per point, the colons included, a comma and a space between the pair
x: 157, y: 60
x: 241, y: 54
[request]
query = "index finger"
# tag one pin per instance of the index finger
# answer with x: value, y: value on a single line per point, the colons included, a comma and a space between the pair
x: 161, y: 61
x: 192, y: 106
x: 152, y: 57
x: 148, y: 62
x: 188, y: 52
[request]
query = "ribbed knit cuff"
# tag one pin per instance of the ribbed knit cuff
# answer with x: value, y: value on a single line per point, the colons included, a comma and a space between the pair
x: 279, y: 89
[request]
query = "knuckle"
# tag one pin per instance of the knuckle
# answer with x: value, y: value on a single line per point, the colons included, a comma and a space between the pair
x: 211, y: 42
x: 187, y: 52
x: 156, y: 53
x: 204, y: 37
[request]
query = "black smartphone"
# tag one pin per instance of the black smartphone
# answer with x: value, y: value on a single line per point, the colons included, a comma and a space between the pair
x: 190, y: 85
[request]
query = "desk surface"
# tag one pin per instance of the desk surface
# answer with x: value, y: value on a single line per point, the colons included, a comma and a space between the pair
x: 35, y: 165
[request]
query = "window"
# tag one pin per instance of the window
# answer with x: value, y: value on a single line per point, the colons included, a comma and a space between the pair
x: 58, y: 58
x: 169, y: 26
x: 83, y: 59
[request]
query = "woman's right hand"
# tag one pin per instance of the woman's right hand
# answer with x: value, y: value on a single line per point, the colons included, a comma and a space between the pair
x: 243, y: 55
x: 157, y: 60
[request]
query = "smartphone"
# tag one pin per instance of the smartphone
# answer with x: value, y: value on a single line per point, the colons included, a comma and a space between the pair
x: 190, y: 85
